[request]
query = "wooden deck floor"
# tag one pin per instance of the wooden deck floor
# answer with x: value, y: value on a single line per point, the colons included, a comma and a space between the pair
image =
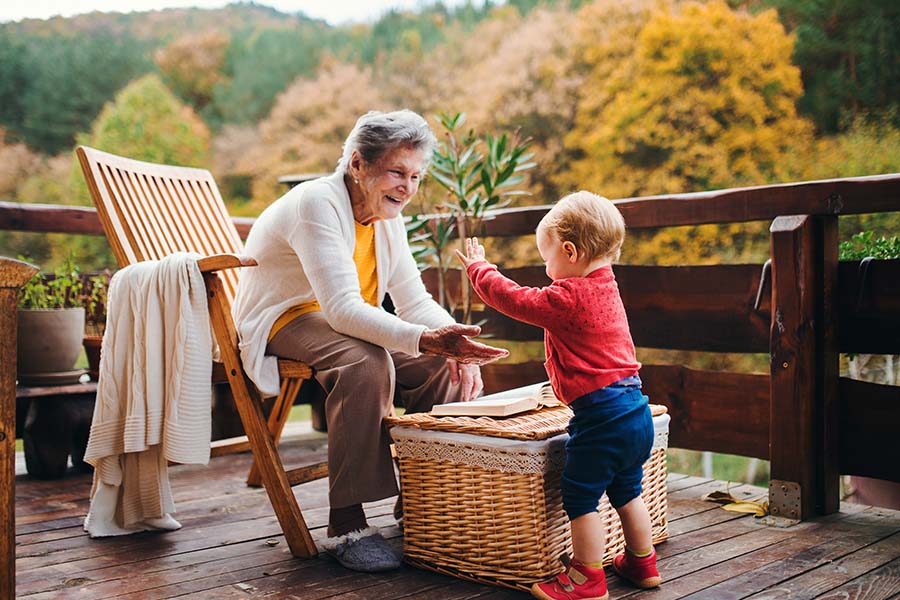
x: 230, y: 547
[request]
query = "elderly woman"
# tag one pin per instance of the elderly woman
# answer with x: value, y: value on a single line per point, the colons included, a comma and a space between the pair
x: 328, y: 251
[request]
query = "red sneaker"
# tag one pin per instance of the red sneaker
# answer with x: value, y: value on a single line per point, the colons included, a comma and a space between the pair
x: 641, y: 571
x: 578, y: 582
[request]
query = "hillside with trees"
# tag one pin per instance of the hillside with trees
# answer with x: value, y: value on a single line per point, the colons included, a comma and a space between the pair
x: 625, y: 98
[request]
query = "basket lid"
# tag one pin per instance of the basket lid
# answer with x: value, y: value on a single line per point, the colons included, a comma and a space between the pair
x: 538, y: 424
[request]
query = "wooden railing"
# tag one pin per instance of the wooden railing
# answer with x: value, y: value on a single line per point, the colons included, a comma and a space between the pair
x: 811, y: 424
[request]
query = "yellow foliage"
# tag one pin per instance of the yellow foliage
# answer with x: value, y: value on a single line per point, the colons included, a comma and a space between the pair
x: 698, y: 245
x: 705, y: 99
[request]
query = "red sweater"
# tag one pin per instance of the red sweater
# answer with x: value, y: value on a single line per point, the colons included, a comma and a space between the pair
x: 586, y: 335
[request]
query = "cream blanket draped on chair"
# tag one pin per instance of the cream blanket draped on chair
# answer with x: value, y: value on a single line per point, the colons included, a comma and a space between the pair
x: 153, y: 396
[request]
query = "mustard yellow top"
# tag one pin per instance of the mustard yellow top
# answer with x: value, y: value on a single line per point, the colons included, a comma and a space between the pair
x: 366, y: 269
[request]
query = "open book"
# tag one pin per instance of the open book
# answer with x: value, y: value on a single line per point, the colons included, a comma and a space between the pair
x: 488, y: 407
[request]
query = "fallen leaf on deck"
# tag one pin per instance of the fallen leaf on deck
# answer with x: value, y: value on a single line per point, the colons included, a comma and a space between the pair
x: 729, y: 502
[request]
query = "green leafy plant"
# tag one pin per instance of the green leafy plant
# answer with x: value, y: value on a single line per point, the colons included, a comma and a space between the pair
x: 478, y: 181
x: 68, y: 287
x: 436, y: 233
x: 479, y: 173
x: 871, y: 367
x: 865, y: 244
x: 61, y: 290
x: 94, y: 301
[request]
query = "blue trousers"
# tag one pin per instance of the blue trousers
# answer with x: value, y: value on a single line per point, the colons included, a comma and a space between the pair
x: 610, y: 438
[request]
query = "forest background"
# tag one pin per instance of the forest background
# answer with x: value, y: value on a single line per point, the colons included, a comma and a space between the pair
x: 626, y: 98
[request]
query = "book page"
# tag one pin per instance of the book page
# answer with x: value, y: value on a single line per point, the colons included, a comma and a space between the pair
x: 491, y: 407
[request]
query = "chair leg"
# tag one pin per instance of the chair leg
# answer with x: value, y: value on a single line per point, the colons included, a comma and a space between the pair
x: 265, y: 454
x: 281, y: 410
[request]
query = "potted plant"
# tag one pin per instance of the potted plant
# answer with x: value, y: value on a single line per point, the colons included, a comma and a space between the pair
x: 94, y: 300
x: 50, y: 327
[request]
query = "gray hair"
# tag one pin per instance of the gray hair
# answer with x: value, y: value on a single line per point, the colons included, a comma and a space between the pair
x: 377, y: 133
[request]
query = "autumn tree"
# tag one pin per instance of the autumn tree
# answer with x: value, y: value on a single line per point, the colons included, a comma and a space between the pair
x: 511, y: 75
x: 46, y: 181
x: 146, y: 121
x: 192, y: 65
x: 16, y: 163
x: 307, y: 126
x: 707, y: 100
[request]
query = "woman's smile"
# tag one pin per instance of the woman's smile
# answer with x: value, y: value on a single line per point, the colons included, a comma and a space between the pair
x: 381, y: 190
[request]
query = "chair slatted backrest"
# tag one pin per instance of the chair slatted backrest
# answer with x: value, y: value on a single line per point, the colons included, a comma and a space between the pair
x: 150, y: 210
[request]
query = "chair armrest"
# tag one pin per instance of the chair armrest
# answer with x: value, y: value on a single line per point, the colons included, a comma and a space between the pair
x: 218, y: 262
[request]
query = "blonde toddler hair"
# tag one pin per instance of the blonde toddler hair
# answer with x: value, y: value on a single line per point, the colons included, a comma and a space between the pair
x: 589, y: 221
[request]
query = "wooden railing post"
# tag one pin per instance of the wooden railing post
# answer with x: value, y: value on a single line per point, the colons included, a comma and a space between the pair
x: 13, y: 275
x: 803, y: 445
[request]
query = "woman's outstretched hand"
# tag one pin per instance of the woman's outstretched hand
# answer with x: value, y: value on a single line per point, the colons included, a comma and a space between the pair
x: 452, y: 341
x: 474, y: 252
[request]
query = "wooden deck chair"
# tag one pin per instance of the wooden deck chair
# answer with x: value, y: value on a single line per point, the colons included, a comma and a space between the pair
x: 149, y: 211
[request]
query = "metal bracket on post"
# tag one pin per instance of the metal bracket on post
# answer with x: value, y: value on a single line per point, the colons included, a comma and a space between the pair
x: 784, y: 503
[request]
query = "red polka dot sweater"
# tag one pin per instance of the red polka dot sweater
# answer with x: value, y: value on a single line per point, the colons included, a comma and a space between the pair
x: 586, y: 335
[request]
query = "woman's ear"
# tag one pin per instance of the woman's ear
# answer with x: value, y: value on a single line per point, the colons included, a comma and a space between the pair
x: 355, y: 166
x: 570, y: 251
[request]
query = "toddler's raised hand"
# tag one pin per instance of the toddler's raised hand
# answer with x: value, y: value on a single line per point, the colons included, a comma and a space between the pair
x: 474, y: 252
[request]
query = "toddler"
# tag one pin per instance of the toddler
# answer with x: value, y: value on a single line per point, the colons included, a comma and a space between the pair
x: 592, y: 368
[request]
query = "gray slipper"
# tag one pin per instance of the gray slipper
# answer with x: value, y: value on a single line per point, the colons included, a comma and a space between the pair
x: 363, y: 550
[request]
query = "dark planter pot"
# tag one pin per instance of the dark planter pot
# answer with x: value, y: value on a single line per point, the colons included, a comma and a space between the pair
x: 92, y: 346
x: 48, y: 343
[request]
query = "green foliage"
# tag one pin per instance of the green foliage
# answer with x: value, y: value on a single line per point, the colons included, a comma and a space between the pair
x: 13, y: 80
x: 69, y: 80
x: 94, y: 301
x: 63, y: 290
x: 849, y: 53
x: 475, y: 181
x: 865, y: 244
x: 259, y: 65
x: 421, y: 30
x: 478, y: 181
x: 428, y: 239
x: 147, y: 122
x: 869, y: 146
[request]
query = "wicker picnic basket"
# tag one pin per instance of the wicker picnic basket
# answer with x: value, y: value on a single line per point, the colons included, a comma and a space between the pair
x: 481, y: 497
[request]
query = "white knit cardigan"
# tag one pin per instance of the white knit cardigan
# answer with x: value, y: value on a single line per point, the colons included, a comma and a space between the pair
x: 304, y: 245
x: 154, y: 394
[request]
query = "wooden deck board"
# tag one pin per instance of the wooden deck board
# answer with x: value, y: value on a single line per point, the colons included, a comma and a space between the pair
x: 230, y: 546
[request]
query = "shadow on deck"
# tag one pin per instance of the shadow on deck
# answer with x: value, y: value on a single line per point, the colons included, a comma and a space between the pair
x: 230, y: 546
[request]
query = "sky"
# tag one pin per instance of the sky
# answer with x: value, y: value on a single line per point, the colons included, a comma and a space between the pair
x: 336, y: 12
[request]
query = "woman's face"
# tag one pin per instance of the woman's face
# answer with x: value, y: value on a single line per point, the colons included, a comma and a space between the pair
x: 386, y: 186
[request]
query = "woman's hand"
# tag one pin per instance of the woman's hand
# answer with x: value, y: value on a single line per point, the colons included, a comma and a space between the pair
x: 451, y: 341
x: 474, y: 252
x: 466, y: 376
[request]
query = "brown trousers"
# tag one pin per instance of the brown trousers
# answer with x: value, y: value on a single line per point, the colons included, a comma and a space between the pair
x: 361, y: 381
